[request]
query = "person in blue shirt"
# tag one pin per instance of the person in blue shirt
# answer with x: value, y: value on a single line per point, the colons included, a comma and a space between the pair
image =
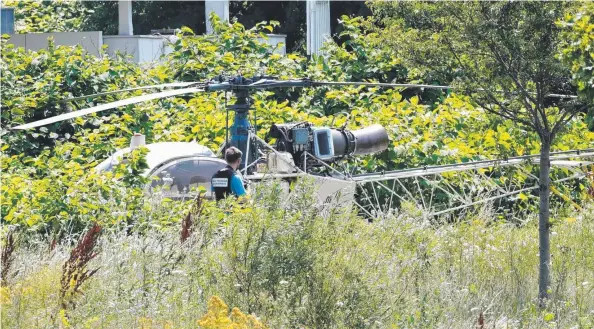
x: 226, y: 181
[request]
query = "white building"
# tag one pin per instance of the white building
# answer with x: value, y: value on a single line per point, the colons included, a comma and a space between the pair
x: 149, y: 48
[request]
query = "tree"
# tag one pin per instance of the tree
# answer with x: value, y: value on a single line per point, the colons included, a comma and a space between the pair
x: 505, y: 55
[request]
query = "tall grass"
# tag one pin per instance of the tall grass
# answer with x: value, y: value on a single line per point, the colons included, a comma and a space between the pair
x: 294, y: 268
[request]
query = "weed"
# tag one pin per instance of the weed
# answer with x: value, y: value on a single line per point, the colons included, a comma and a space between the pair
x: 74, y: 271
x: 8, y: 249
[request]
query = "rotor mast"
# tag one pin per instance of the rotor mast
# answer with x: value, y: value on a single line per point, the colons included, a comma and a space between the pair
x: 241, y: 127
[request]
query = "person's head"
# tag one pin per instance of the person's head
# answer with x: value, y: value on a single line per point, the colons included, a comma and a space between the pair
x: 233, y: 157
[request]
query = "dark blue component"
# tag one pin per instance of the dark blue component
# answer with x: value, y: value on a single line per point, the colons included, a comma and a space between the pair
x: 240, y: 128
x: 239, y: 135
x: 7, y: 21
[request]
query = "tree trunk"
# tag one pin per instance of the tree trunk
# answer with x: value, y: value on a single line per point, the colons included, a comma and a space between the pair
x: 544, y: 274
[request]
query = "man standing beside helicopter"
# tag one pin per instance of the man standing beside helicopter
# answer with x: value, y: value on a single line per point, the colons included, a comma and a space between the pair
x: 226, y: 181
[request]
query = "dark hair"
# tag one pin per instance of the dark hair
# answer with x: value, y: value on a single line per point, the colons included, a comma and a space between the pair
x: 232, y: 154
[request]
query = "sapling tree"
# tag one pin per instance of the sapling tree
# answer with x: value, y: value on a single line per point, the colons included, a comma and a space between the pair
x: 506, y: 56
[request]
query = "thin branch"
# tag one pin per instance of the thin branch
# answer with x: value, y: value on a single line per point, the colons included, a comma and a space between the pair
x: 505, y: 115
x: 565, y: 118
x: 504, y: 111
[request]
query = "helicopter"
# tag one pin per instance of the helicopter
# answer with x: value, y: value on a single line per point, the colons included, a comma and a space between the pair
x: 303, y: 150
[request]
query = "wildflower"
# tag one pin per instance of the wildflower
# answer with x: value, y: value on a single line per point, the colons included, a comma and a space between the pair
x: 145, y: 323
x: 5, y: 296
x: 217, y: 317
x: 64, y: 318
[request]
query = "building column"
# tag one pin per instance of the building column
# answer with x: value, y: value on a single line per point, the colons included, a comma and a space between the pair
x: 125, y: 17
x: 318, y: 24
x: 219, y: 7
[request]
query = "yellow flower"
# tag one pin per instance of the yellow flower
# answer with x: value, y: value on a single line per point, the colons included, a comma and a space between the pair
x: 218, y: 317
x: 145, y: 323
x: 64, y: 319
x: 5, y: 296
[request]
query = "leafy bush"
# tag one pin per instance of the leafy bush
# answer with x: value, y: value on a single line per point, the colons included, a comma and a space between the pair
x: 39, y: 166
x: 33, y: 16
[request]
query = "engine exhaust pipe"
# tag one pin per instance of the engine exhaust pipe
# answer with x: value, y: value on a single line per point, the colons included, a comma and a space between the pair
x: 368, y: 140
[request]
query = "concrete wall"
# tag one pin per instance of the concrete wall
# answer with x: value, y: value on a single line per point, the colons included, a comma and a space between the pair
x: 142, y: 48
x: 90, y: 41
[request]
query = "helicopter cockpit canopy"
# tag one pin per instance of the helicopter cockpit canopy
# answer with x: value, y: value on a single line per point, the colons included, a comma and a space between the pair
x: 178, y: 167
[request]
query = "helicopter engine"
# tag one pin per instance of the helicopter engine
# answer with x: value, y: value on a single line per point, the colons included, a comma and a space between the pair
x: 327, y: 144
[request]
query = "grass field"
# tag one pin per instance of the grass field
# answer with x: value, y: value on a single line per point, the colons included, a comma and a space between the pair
x: 293, y: 268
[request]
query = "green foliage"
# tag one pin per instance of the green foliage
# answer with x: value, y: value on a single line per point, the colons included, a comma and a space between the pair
x: 36, y: 83
x: 61, y: 193
x: 35, y: 16
x: 422, y: 131
x: 505, y: 53
x: 290, y: 265
x: 578, y: 52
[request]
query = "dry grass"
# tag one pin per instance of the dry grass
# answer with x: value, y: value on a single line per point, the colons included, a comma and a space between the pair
x: 293, y: 268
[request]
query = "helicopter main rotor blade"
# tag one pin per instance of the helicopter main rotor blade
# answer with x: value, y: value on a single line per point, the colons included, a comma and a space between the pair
x: 161, y: 86
x: 265, y: 83
x: 412, y: 85
x: 378, y: 84
x: 103, y: 107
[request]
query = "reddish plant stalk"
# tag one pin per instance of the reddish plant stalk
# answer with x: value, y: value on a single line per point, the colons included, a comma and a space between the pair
x: 187, y: 223
x: 7, y: 256
x: 74, y: 271
x: 481, y: 321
